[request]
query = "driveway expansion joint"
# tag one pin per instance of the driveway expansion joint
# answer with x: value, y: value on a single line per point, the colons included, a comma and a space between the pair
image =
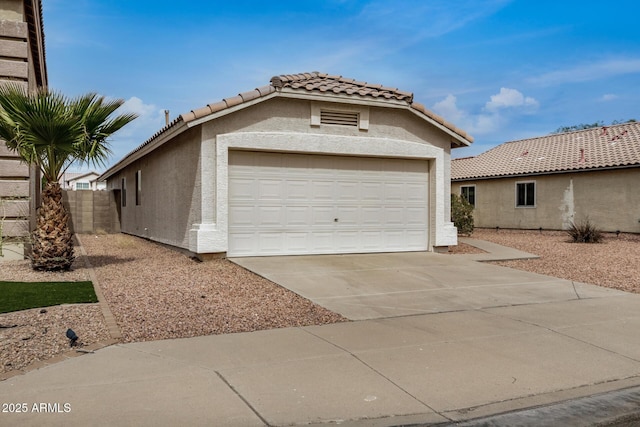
x: 377, y: 372
x: 241, y: 397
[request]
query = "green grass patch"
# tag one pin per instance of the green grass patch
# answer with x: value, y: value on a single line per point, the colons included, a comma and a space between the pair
x: 16, y: 296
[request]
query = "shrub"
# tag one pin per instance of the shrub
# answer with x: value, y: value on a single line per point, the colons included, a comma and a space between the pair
x: 462, y: 214
x: 584, y: 232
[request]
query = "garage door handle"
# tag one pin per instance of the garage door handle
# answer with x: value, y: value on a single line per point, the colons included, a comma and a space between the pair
x: 335, y: 219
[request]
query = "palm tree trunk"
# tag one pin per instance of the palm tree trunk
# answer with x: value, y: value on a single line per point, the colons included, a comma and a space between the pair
x: 52, y: 239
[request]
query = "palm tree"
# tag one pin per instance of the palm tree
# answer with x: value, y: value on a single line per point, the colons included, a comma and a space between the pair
x: 52, y: 131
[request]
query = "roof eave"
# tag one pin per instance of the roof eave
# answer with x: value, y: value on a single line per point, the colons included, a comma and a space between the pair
x: 229, y: 110
x: 458, y: 140
x: 556, y: 172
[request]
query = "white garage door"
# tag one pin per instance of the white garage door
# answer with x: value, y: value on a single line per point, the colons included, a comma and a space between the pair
x: 281, y: 203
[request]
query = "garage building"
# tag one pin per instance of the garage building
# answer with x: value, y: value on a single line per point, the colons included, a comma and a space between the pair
x: 310, y: 164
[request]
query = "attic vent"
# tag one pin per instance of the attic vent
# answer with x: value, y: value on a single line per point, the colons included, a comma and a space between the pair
x: 341, y: 118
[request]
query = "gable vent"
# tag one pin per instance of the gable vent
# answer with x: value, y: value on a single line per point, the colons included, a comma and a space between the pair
x: 342, y: 118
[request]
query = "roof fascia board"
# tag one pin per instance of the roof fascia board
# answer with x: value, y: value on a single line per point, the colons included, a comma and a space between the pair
x: 459, y: 138
x: 142, y: 151
x: 230, y: 110
x: 83, y: 175
x: 533, y: 174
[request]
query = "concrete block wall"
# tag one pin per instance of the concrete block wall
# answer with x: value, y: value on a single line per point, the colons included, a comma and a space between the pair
x: 92, y: 211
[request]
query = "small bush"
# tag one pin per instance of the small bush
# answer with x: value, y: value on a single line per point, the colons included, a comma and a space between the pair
x: 584, y: 232
x: 462, y: 214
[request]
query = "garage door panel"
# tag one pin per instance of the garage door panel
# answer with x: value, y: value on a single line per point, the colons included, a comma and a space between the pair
x: 296, y: 189
x: 298, y: 216
x: 415, y: 238
x: 416, y: 192
x: 348, y: 191
x: 370, y: 191
x: 270, y: 216
x: 347, y: 241
x: 415, y: 216
x: 271, y: 242
x: 371, y: 216
x: 296, y: 242
x: 270, y: 189
x: 394, y: 216
x: 394, y: 239
x: 394, y: 192
x: 242, y: 243
x: 241, y: 216
x: 242, y: 189
x: 320, y: 190
x: 322, y: 242
x: 282, y: 203
x: 371, y: 239
x: 322, y: 215
x: 348, y: 215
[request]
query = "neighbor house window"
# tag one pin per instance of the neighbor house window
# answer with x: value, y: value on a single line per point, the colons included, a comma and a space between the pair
x: 82, y: 185
x: 124, y: 192
x: 138, y: 187
x: 468, y: 192
x: 526, y: 194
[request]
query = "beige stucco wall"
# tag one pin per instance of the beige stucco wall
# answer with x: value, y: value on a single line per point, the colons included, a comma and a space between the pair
x: 611, y: 200
x: 170, y: 200
x: 177, y: 209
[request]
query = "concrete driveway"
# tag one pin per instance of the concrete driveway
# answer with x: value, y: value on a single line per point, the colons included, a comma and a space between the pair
x: 374, y: 286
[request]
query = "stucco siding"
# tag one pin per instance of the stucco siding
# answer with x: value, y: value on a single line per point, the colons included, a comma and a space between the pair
x: 294, y: 116
x: 169, y: 197
x: 609, y: 198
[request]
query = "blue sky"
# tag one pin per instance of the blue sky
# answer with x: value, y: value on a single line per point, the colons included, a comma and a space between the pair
x: 500, y: 69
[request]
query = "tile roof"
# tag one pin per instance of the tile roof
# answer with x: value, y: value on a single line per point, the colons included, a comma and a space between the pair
x: 594, y: 148
x: 320, y: 82
x: 309, y: 83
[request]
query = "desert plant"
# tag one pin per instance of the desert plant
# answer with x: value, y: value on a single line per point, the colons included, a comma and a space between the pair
x: 462, y: 214
x: 584, y: 232
x: 52, y: 131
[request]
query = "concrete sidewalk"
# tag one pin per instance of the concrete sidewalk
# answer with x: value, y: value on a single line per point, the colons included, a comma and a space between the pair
x: 422, y: 369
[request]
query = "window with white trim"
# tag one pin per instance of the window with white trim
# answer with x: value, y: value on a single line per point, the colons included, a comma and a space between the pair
x: 82, y: 186
x: 526, y: 194
x: 468, y: 192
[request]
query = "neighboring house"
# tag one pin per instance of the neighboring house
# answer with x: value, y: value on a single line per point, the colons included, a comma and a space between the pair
x: 22, y: 60
x: 554, y: 180
x: 310, y: 164
x: 82, y: 181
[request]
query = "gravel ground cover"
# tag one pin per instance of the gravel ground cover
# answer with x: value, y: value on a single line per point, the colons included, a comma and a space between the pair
x: 158, y: 293
x: 612, y: 263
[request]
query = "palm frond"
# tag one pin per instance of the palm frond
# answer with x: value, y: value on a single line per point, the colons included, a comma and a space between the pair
x: 48, y: 129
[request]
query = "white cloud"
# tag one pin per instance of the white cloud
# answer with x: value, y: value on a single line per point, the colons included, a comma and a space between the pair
x: 448, y: 108
x: 510, y: 98
x: 588, y: 72
x: 608, y: 97
x: 493, y: 116
x: 150, y: 120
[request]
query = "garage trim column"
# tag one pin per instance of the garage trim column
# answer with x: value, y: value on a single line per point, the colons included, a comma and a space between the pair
x: 204, y: 237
